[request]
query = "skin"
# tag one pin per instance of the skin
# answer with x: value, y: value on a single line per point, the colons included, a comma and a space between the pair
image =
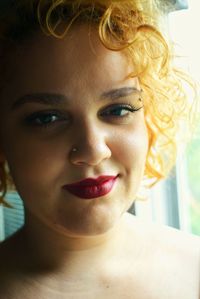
x: 70, y: 248
x: 41, y: 161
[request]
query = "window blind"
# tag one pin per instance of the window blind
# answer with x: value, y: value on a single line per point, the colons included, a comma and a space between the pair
x: 13, y: 218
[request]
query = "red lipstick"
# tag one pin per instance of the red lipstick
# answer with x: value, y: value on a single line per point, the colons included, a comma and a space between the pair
x: 92, y: 188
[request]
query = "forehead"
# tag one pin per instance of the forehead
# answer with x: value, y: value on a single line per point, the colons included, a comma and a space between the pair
x: 80, y: 49
x: 78, y: 60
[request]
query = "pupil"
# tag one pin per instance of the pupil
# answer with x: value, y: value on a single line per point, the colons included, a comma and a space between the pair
x: 46, y: 118
x: 118, y: 111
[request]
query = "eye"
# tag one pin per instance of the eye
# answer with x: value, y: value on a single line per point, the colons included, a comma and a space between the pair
x: 120, y: 110
x: 45, y: 119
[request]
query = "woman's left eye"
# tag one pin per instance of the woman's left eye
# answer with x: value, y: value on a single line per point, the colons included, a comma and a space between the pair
x: 120, y: 110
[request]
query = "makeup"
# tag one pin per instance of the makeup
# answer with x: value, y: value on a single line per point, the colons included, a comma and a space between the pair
x: 92, y: 188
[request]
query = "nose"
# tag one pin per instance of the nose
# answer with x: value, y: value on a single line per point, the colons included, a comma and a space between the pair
x: 91, y: 146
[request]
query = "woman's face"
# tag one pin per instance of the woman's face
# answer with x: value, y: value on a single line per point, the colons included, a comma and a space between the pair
x: 80, y: 95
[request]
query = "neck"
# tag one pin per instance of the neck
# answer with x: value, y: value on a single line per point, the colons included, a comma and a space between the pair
x: 53, y: 250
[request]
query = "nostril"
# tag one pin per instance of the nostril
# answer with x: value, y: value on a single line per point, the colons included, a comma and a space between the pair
x: 89, y: 153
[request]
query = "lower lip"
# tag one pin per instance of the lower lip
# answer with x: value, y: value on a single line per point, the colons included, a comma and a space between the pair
x: 90, y: 192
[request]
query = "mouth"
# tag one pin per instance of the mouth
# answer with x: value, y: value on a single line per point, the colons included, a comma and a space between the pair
x: 92, y: 188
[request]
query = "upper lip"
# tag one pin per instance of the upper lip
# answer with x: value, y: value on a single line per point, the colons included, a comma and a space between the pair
x: 92, y: 181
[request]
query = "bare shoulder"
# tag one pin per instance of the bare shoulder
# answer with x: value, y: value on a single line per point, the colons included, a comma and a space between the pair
x: 164, y: 236
x: 13, y: 269
x: 10, y: 256
x: 10, y: 248
x: 6, y: 269
x: 165, y: 241
x: 171, y: 259
x: 5, y: 254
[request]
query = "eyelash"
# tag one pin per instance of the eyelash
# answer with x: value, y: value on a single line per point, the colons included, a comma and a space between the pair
x: 31, y: 120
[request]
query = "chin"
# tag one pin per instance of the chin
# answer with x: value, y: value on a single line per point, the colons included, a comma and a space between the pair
x: 87, y: 224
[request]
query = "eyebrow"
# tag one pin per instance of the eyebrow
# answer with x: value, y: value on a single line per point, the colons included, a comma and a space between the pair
x: 57, y: 99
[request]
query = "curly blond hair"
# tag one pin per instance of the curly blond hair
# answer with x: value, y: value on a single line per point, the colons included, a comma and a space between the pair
x: 132, y: 26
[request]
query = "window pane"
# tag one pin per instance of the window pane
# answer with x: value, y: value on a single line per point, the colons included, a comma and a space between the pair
x: 182, y: 26
x: 193, y: 176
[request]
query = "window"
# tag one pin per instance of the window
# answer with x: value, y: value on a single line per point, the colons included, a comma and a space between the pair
x: 176, y: 201
x: 183, y: 25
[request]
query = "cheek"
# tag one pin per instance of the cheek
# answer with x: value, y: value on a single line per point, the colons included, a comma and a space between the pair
x: 33, y: 164
x: 36, y: 172
x: 131, y: 146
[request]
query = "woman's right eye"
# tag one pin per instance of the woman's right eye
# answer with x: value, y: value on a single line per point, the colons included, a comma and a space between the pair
x: 45, y: 119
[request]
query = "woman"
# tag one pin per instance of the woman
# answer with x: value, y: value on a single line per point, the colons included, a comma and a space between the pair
x: 87, y: 91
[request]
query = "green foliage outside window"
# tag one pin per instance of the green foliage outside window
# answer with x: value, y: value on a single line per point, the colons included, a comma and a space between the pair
x: 193, y: 170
